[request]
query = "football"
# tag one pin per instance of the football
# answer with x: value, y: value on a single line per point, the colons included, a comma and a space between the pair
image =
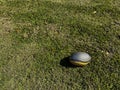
x: 80, y: 59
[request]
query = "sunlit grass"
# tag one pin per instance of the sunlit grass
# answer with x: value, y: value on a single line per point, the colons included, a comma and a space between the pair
x: 36, y: 35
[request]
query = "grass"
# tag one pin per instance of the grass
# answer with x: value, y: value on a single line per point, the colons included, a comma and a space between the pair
x: 36, y: 35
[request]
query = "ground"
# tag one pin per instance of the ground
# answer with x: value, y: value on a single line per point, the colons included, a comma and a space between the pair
x: 36, y: 36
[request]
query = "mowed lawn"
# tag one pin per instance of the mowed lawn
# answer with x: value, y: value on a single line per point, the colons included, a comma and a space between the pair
x: 36, y: 36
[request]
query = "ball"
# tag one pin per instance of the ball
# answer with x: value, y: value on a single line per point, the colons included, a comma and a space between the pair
x: 80, y: 59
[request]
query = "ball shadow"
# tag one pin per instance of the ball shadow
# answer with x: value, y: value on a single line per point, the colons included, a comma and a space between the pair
x: 66, y: 63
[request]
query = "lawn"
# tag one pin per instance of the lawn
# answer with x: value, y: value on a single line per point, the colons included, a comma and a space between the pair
x: 37, y: 35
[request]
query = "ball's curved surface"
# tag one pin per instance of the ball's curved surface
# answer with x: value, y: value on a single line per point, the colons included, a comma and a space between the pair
x: 80, y: 58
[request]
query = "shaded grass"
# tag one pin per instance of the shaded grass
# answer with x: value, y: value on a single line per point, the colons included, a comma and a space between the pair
x: 45, y: 32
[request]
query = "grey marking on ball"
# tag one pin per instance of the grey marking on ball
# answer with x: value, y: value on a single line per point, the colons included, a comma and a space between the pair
x: 80, y: 56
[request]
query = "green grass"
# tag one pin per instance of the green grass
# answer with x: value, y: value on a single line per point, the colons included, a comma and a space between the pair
x: 35, y: 35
